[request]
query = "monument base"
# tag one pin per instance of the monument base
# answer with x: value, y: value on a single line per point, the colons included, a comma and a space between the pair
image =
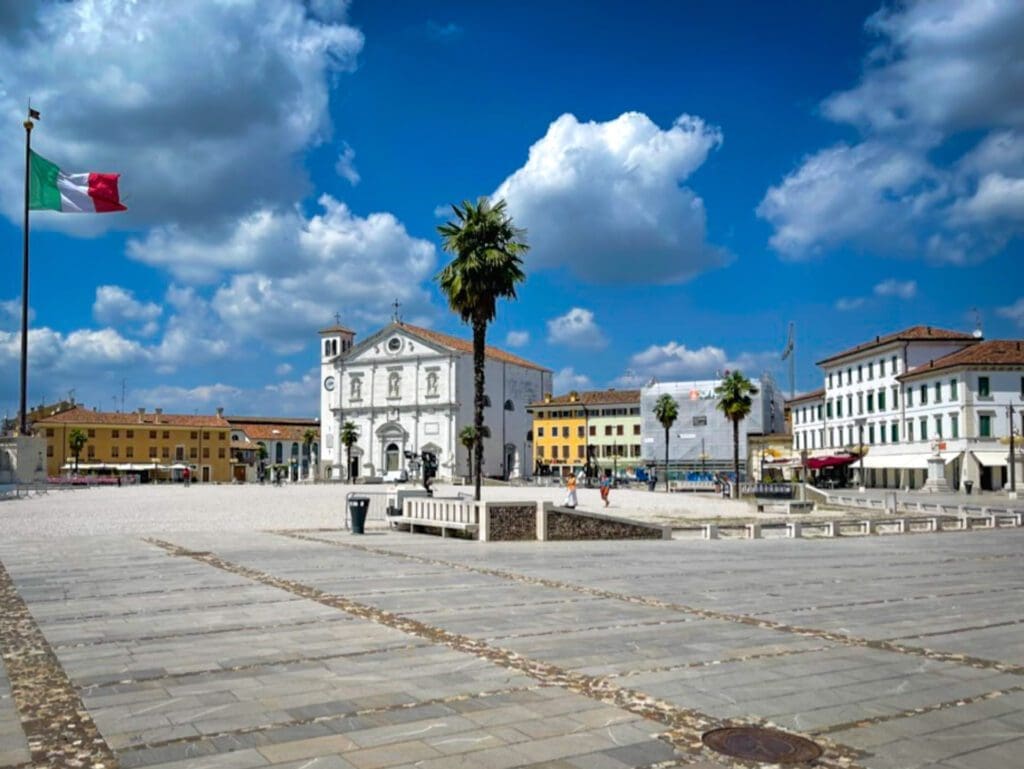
x: 23, y: 459
x: 936, y: 482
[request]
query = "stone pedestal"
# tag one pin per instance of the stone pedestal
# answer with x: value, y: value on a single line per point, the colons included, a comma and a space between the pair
x: 936, y: 482
x: 23, y: 459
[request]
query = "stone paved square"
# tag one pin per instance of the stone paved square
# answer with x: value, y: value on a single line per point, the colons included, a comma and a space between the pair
x: 263, y: 634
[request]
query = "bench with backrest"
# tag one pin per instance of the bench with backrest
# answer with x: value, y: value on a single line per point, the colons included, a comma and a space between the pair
x: 444, y: 514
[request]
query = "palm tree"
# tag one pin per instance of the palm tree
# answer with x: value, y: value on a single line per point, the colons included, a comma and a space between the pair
x: 734, y: 401
x: 666, y: 410
x: 467, y: 437
x: 76, y: 442
x: 488, y: 252
x: 308, y: 437
x: 349, y: 437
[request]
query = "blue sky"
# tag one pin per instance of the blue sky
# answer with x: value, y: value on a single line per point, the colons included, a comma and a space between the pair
x: 692, y: 177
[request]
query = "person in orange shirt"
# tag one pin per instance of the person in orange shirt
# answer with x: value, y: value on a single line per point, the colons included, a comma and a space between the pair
x: 570, y: 496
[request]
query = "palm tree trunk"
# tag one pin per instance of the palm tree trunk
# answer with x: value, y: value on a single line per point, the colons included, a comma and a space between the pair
x: 736, y: 457
x: 666, y: 459
x: 479, y: 347
x: 348, y: 463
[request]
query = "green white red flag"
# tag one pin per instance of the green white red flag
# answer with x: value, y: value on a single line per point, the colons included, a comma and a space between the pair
x: 51, y: 189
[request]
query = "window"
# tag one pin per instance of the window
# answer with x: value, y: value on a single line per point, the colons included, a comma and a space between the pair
x: 636, y: 429
x: 828, y: 409
x: 985, y: 426
x: 910, y: 431
x: 580, y: 431
x: 860, y: 403
x: 954, y: 426
x: 593, y: 430
x: 938, y: 392
x: 871, y: 434
x: 565, y: 433
x: 938, y: 427
x: 167, y: 435
x: 222, y: 436
x: 830, y: 381
x: 579, y: 452
x: 952, y: 390
x: 193, y: 453
x: 881, y: 400
x: 839, y: 407
x: 895, y: 398
x: 909, y: 397
x: 894, y: 432
x: 152, y: 452
x: 924, y: 428
x: 871, y: 403
x: 540, y: 432
x: 220, y: 453
x: 881, y: 433
x: 849, y: 405
x: 90, y: 452
x: 115, y: 433
x: 565, y: 452
x: 91, y: 432
x: 849, y: 376
x: 607, y: 429
x: 166, y: 452
x: 819, y: 412
x: 49, y: 450
x: 860, y: 373
x: 540, y: 452
x: 893, y: 364
x: 129, y: 452
x: 152, y: 435
x: 983, y: 391
x: 206, y: 435
x: 193, y: 435
x: 881, y: 367
x: 206, y: 452
x: 849, y: 435
x: 831, y: 436
x: 871, y: 371
x: 619, y: 430
x: 924, y: 395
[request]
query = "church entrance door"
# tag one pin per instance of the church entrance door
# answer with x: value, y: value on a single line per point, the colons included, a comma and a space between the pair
x: 392, y: 457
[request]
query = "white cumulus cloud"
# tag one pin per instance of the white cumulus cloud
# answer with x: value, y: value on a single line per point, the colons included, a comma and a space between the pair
x: 567, y: 379
x: 846, y: 304
x: 595, y: 197
x: 517, y: 338
x: 117, y: 306
x: 576, y: 329
x: 1014, y: 312
x: 903, y: 289
x: 345, y: 167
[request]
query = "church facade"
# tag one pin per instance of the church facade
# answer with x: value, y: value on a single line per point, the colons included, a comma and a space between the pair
x: 409, y: 390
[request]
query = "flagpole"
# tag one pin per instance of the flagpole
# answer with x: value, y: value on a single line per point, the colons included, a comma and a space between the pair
x: 24, y: 282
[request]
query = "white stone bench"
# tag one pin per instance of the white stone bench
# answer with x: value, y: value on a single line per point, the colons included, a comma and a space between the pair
x: 429, y: 523
x: 709, y: 531
x: 753, y: 531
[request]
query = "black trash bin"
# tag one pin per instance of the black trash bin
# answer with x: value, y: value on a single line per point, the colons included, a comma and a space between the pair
x: 968, y: 485
x: 357, y: 509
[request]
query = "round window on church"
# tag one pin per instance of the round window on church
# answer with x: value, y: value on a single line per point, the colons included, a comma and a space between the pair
x: 394, y: 344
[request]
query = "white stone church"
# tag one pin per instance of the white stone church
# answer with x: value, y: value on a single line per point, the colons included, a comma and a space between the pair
x: 410, y: 389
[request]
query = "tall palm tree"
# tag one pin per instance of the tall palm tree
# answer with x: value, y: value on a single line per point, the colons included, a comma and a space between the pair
x: 734, y: 401
x: 308, y: 437
x: 467, y: 437
x: 666, y: 410
x: 488, y: 252
x: 76, y: 442
x: 349, y: 436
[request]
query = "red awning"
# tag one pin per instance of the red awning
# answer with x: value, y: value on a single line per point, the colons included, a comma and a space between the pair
x: 816, y: 463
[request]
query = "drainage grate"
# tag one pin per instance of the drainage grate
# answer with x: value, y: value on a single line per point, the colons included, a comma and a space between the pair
x: 769, y: 746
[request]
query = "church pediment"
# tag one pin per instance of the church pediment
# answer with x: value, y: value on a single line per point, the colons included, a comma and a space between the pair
x: 393, y: 343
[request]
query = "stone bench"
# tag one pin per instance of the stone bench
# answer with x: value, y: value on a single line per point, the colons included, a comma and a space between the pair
x: 787, y: 506
x: 430, y: 523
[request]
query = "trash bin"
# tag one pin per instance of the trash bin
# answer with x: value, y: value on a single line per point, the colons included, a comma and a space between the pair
x: 968, y: 485
x: 357, y: 509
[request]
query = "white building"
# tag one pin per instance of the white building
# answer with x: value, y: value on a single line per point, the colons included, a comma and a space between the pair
x: 702, y: 437
x: 906, y: 395
x: 410, y: 389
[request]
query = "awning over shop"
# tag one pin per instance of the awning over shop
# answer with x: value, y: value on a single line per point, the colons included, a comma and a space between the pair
x: 990, y: 458
x: 903, y: 461
x: 836, y: 460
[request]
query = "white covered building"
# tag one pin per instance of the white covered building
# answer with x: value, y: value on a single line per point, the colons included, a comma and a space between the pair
x: 905, y: 396
x: 410, y: 389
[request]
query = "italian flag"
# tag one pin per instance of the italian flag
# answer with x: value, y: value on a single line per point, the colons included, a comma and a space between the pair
x: 53, y: 190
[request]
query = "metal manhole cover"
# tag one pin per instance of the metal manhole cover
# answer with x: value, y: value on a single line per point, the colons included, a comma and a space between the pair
x: 757, y: 744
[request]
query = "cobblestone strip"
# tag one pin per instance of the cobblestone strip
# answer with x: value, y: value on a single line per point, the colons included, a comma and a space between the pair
x: 116, y: 680
x: 743, y: 619
x: 263, y: 729
x: 912, y: 712
x: 59, y: 730
x: 684, y: 725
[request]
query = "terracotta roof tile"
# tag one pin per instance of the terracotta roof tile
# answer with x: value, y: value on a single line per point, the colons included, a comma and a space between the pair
x: 995, y: 352
x: 454, y: 343
x: 592, y: 398
x: 267, y: 431
x: 83, y: 416
x: 912, y: 334
x: 820, y: 393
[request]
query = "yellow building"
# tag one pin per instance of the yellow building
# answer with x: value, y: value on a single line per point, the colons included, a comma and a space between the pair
x: 154, y: 445
x: 559, y: 434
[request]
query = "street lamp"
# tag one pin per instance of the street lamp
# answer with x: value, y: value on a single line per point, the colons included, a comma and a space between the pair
x: 860, y: 449
x: 615, y: 460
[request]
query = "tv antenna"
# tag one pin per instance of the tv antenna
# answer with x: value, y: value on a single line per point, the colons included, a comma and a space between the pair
x: 978, y: 333
x: 788, y: 353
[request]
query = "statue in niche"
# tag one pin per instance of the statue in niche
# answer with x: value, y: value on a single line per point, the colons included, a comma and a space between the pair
x: 356, y: 388
x: 394, y: 385
x: 432, y: 383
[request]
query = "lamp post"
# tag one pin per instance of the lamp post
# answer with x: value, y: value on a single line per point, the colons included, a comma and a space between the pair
x: 803, y: 475
x: 615, y: 460
x: 860, y: 450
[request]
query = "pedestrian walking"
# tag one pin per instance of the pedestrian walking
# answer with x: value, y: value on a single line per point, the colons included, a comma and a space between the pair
x: 652, y: 480
x: 606, y: 487
x: 186, y: 476
x: 570, y: 496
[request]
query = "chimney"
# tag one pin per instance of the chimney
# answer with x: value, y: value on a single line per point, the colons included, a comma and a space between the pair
x: 877, y: 339
x: 142, y: 410
x: 929, y: 330
x: 157, y: 413
x: 220, y: 412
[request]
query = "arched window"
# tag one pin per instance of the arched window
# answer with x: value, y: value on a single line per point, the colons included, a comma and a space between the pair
x: 327, y: 347
x: 391, y: 457
x: 295, y: 449
x: 279, y: 453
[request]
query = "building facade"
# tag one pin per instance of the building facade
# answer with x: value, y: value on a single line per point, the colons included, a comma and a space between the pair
x: 902, y: 397
x: 408, y: 391
x: 701, y: 439
x: 258, y: 443
x: 154, y: 445
x: 595, y: 430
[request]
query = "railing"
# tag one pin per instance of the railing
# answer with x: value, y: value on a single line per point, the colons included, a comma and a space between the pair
x: 446, y: 510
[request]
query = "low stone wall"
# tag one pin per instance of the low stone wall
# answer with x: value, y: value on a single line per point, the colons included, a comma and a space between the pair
x: 565, y: 524
x: 512, y: 522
